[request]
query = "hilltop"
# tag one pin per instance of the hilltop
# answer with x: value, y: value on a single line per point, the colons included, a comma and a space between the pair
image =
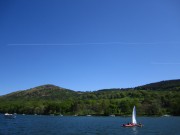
x: 162, y: 85
x: 46, y: 92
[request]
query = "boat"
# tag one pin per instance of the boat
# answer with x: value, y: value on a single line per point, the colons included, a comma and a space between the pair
x: 134, y: 121
x: 10, y: 116
x: 166, y: 115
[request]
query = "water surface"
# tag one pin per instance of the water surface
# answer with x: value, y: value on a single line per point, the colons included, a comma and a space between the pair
x: 82, y: 125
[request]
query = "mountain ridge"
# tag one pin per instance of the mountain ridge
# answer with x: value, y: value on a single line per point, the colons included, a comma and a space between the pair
x: 161, y: 85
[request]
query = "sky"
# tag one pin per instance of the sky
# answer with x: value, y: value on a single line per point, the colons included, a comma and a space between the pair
x: 87, y: 45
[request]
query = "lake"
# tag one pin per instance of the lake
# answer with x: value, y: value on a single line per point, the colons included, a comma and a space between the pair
x: 83, y: 125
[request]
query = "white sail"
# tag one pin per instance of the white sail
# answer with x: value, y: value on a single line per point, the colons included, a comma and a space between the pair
x: 134, y: 116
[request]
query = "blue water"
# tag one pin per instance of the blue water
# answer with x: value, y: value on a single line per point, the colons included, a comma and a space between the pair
x: 82, y: 125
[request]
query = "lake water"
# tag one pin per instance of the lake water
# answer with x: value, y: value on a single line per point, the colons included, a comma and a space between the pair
x: 82, y: 125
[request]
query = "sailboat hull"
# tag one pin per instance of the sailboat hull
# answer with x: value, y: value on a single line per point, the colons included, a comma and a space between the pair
x: 132, y: 125
x: 128, y: 125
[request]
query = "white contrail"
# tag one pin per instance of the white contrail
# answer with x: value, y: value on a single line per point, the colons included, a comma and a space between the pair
x: 77, y: 44
x: 166, y: 63
x: 98, y: 43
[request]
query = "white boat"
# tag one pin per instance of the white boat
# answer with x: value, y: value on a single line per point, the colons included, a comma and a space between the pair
x: 10, y: 116
x: 166, y: 115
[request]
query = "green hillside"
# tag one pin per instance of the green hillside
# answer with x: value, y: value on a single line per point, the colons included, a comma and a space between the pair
x: 44, y: 92
x: 163, y: 85
x: 151, y: 99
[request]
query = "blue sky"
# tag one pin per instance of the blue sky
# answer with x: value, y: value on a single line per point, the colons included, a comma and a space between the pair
x: 88, y: 45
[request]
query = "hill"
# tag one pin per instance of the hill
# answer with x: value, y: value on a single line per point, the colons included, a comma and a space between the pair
x: 162, y: 85
x: 46, y: 92
x: 152, y: 99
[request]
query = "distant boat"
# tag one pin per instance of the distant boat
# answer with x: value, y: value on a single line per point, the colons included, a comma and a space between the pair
x: 166, y: 115
x: 112, y: 115
x: 134, y: 121
x: 10, y: 116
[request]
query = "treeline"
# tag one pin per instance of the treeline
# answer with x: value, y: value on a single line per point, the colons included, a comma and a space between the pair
x: 105, y: 102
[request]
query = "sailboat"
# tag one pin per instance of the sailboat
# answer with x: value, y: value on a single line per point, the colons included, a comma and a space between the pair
x: 10, y: 116
x: 134, y: 121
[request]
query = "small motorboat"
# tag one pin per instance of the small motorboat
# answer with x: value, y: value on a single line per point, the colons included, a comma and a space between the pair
x: 10, y: 116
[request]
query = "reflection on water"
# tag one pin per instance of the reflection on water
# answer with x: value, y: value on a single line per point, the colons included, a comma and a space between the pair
x: 135, y: 130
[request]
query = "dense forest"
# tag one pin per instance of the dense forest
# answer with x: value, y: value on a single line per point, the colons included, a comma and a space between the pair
x: 152, y: 99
